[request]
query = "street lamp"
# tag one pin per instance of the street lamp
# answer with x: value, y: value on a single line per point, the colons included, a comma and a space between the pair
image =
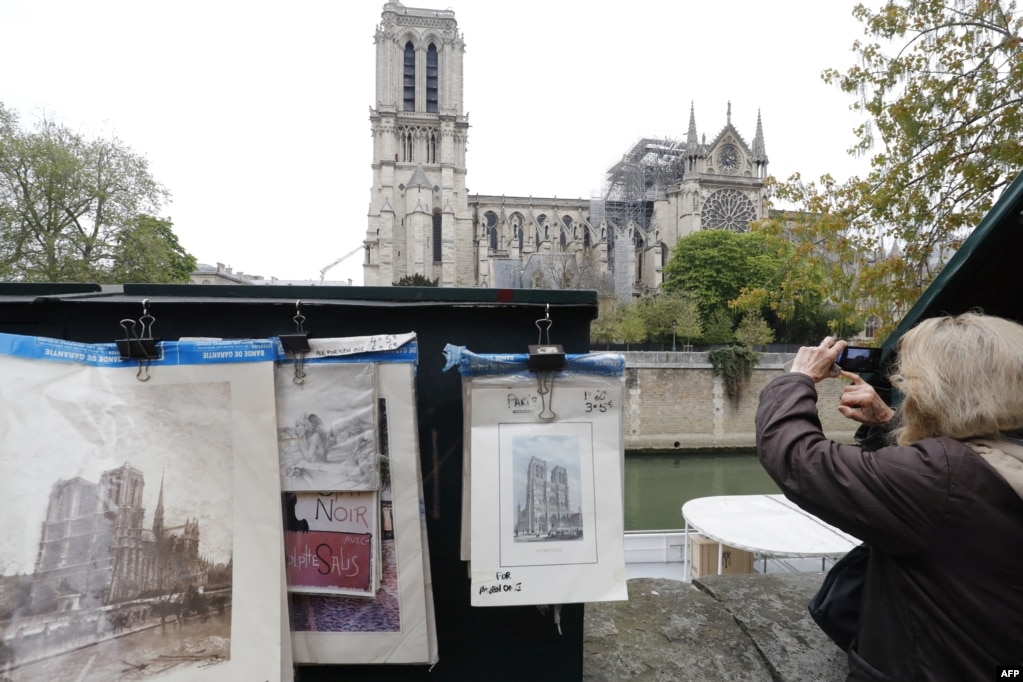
x: 674, y: 327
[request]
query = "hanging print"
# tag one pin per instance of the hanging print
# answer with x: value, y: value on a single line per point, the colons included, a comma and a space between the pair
x: 138, y: 540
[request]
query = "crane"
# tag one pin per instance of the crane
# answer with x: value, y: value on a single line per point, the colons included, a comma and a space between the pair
x: 323, y: 272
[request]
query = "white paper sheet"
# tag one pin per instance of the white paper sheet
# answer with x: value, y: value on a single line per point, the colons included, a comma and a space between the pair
x: 137, y: 516
x: 547, y: 521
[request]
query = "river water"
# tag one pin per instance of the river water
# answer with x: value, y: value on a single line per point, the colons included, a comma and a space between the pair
x: 658, y: 484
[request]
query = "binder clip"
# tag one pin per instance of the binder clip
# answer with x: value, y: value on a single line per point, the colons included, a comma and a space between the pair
x: 138, y: 343
x: 545, y: 358
x: 297, y: 345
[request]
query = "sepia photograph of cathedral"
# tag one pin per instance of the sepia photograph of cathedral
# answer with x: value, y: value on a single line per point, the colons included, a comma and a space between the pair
x: 423, y: 221
x: 119, y: 554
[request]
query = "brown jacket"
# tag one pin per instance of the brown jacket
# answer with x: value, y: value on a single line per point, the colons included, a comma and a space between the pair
x: 943, y: 599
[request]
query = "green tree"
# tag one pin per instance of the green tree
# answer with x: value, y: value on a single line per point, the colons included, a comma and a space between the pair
x: 686, y: 321
x: 719, y: 327
x: 730, y: 273
x: 67, y: 200
x: 753, y: 330
x: 940, y: 83
x: 631, y: 327
x: 149, y: 251
x: 417, y: 280
x: 603, y: 329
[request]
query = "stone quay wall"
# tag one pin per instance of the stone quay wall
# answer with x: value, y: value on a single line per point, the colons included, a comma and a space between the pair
x: 674, y: 400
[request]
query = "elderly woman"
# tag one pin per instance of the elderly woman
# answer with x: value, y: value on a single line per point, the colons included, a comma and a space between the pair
x: 941, y: 507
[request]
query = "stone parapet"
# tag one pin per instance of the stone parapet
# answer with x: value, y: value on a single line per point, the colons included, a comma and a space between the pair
x: 748, y: 627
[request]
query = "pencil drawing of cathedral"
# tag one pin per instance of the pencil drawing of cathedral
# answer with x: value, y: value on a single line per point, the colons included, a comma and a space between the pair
x: 547, y: 511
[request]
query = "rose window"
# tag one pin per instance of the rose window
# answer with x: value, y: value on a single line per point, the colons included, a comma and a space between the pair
x: 728, y: 209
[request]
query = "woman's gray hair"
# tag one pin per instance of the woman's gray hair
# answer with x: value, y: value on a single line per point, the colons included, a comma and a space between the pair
x: 961, y: 376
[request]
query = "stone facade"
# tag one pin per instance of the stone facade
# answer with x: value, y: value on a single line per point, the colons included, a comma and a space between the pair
x: 675, y: 401
x: 421, y: 220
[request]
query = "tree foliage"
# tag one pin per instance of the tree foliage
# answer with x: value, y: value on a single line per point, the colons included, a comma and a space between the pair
x: 940, y: 84
x: 149, y: 251
x: 417, y: 280
x: 70, y: 206
x: 732, y: 273
x: 753, y: 330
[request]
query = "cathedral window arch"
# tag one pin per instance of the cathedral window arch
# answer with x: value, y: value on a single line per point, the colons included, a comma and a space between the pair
x: 728, y: 209
x: 409, y: 74
x: 431, y: 147
x: 437, y: 223
x: 563, y: 238
x: 407, y: 145
x: 872, y: 325
x: 491, y: 220
x: 431, y: 79
x: 518, y: 233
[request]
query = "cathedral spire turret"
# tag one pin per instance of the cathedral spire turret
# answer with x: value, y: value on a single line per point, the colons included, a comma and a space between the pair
x: 691, y: 139
x: 759, y: 152
x: 158, y: 514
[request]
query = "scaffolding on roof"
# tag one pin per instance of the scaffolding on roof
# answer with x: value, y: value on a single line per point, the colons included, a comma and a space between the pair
x: 643, y: 175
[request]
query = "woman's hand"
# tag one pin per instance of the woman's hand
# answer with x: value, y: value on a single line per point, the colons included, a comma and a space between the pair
x: 818, y: 362
x: 861, y: 403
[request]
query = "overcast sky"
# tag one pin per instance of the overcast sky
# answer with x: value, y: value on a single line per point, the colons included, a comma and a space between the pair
x: 255, y: 113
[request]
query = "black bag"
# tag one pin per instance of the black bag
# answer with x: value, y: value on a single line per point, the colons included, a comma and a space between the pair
x: 836, y: 606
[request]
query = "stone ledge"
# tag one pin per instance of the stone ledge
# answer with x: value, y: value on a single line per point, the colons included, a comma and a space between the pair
x: 749, y: 627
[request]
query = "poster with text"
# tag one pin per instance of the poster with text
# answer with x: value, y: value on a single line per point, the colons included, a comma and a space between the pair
x: 547, y: 520
x: 330, y: 542
x: 141, y: 540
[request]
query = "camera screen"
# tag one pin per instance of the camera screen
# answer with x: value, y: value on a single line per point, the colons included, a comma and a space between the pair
x: 857, y: 359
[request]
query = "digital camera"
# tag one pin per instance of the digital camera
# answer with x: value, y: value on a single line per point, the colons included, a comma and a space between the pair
x: 859, y: 359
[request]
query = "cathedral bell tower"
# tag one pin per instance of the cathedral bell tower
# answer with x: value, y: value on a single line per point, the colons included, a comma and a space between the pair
x: 419, y: 221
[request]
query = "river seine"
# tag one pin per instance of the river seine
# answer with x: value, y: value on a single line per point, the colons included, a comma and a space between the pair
x: 657, y: 484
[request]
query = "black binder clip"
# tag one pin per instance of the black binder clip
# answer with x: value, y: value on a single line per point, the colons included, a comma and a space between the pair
x: 138, y: 343
x: 297, y: 345
x: 545, y: 358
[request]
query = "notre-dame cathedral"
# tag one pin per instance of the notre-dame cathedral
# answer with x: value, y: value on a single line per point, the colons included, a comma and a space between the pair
x: 422, y: 220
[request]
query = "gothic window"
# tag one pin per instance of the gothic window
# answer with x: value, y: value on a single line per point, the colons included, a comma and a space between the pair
x: 491, y: 219
x: 563, y: 239
x: 586, y: 238
x: 431, y: 78
x: 436, y: 236
x: 406, y: 145
x: 517, y: 232
x: 541, y: 221
x: 872, y: 325
x: 728, y: 209
x: 410, y: 77
x: 431, y: 148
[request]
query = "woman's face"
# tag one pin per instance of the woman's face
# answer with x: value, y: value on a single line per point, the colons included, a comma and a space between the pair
x: 301, y: 427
